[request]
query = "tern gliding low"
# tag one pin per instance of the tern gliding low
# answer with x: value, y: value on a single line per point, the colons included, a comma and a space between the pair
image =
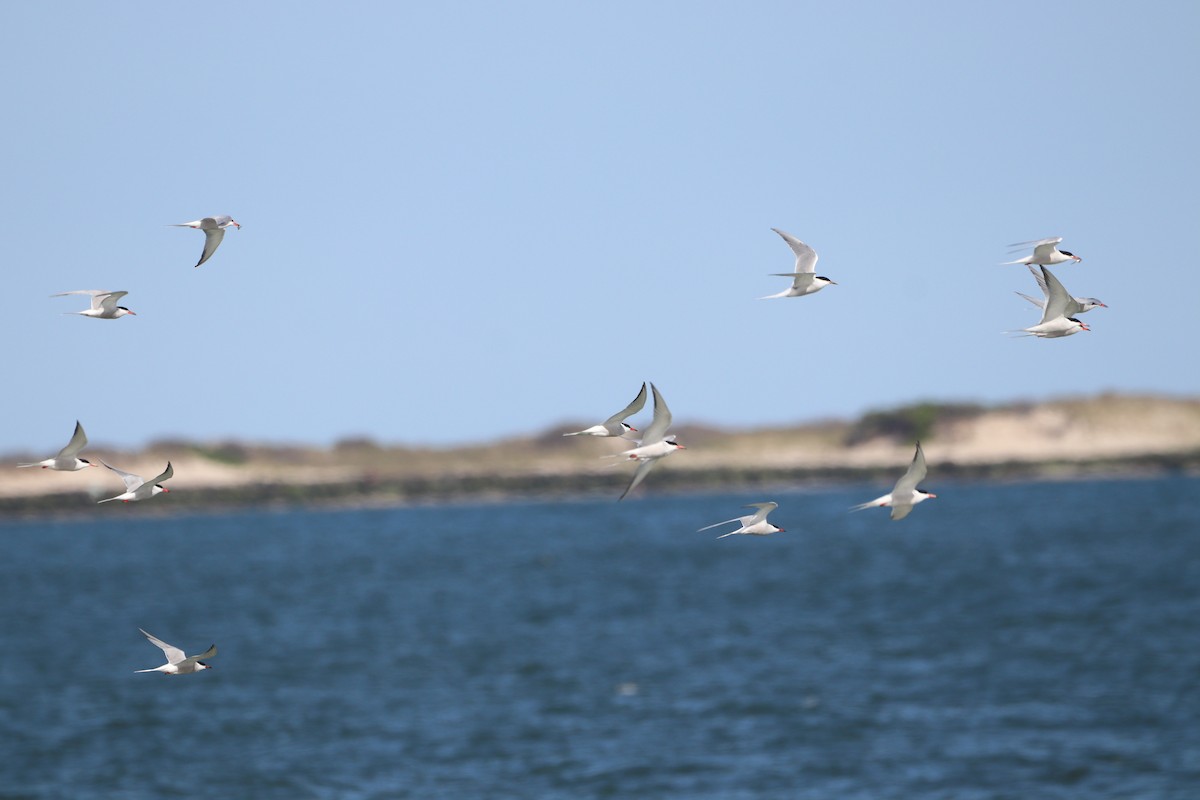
x: 68, y: 459
x: 178, y: 663
x: 904, y: 494
x: 137, y: 488
x: 752, y: 524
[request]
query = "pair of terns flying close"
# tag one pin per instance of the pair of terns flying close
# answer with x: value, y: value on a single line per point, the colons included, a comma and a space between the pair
x: 136, y: 487
x: 653, y: 445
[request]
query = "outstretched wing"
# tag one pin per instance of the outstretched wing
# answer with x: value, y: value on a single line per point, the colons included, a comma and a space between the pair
x: 916, y: 473
x: 656, y: 431
x: 209, y: 653
x: 77, y: 443
x: 166, y: 475
x: 638, y: 403
x: 643, y: 468
x: 1058, y: 300
x: 1053, y: 240
x: 763, y: 510
x: 806, y: 257
x: 132, y: 482
x: 174, y: 654
x: 108, y: 301
x: 212, y: 239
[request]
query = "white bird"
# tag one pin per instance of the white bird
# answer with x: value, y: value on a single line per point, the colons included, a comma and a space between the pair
x: 615, y: 425
x: 1056, y: 312
x: 177, y: 662
x: 1075, y: 305
x: 904, y: 494
x: 654, y: 444
x: 1044, y: 252
x: 752, y: 524
x: 68, y: 459
x: 214, y: 231
x: 104, y: 304
x: 805, y: 279
x: 137, y: 488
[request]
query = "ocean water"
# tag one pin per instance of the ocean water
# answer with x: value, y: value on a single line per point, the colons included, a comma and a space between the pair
x: 1004, y: 641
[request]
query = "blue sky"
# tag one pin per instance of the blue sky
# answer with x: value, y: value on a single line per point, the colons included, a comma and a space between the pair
x: 463, y: 221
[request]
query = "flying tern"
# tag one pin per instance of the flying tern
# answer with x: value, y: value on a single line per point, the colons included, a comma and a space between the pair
x: 1074, y: 305
x: 104, y: 304
x: 214, y: 232
x: 68, y: 459
x: 655, y: 444
x: 1057, y: 320
x: 904, y: 494
x: 1044, y: 253
x: 136, y: 488
x: 752, y: 524
x: 615, y: 425
x: 805, y: 279
x: 177, y: 662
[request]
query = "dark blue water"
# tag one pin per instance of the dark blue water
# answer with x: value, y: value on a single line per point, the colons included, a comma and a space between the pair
x: 1004, y: 641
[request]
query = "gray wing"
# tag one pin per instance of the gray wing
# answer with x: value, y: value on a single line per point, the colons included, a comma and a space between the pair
x: 212, y: 239
x: 800, y: 280
x: 167, y: 474
x: 657, y: 429
x: 1038, y: 242
x: 209, y: 653
x: 108, y: 301
x: 763, y: 510
x: 96, y: 294
x: 1058, y: 300
x: 77, y: 443
x: 132, y: 482
x: 638, y: 403
x: 806, y: 257
x: 174, y: 654
x: 916, y: 473
x: 1036, y: 272
x: 643, y: 468
x: 900, y: 512
x: 1041, y: 304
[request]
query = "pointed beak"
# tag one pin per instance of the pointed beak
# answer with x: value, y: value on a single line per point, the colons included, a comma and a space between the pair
x: 1084, y: 326
x: 632, y: 429
x: 1077, y: 259
x: 166, y: 490
x: 133, y: 313
x: 97, y: 466
x: 681, y: 447
x: 238, y: 224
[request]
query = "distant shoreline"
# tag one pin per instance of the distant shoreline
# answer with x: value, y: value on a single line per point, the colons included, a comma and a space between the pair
x: 368, y: 494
